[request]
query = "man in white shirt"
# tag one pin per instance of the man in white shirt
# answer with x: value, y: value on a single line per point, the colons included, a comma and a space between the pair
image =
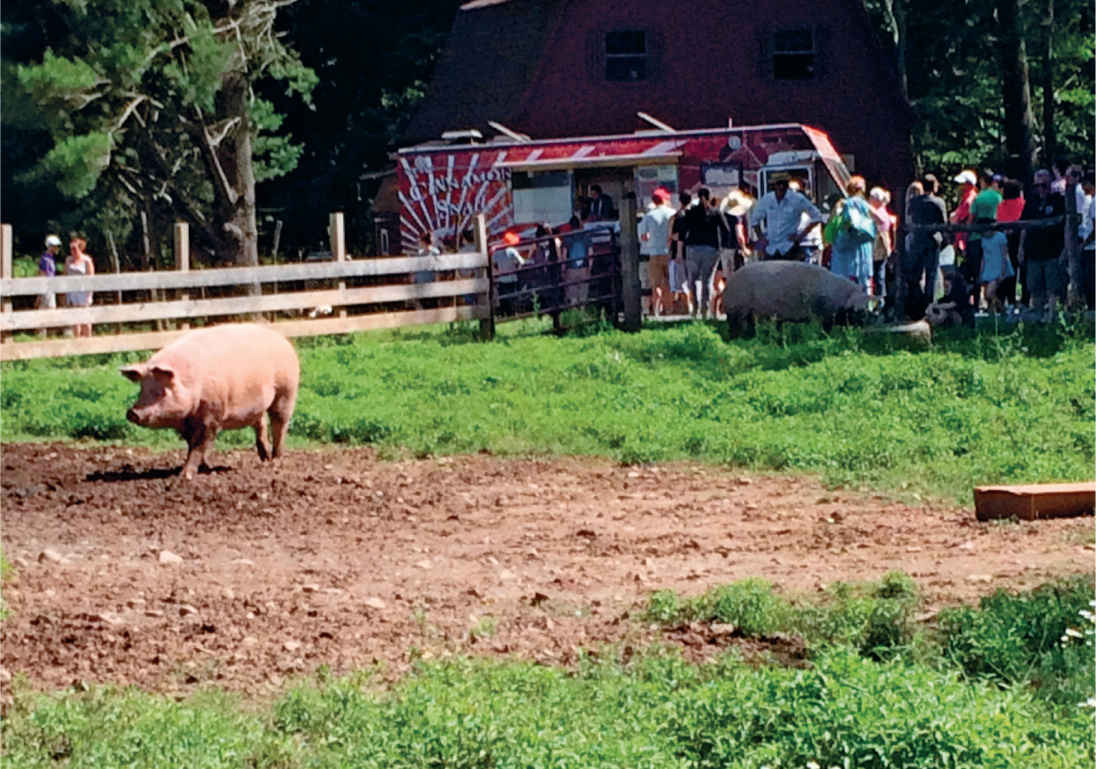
x: 787, y: 215
x: 654, y: 243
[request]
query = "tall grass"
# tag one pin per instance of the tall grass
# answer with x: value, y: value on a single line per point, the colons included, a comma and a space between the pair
x: 999, y: 406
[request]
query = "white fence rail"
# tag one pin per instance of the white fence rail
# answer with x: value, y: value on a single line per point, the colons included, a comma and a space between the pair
x: 185, y: 306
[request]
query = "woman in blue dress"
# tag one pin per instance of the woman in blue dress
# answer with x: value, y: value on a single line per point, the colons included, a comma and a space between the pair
x: 852, y: 247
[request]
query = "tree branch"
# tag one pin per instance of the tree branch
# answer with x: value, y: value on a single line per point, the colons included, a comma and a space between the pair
x: 127, y: 112
x: 225, y: 186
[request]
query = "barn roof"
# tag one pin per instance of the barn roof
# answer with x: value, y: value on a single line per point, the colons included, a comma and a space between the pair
x: 492, y: 58
x: 483, y: 72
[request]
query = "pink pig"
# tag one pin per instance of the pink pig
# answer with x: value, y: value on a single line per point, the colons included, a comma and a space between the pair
x: 219, y: 378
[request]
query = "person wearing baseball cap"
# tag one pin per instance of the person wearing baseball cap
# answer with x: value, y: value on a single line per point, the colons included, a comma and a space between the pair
x: 654, y: 244
x: 506, y: 262
x: 968, y: 184
x: 47, y: 268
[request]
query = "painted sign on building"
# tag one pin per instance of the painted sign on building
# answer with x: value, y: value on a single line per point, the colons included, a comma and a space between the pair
x: 442, y: 189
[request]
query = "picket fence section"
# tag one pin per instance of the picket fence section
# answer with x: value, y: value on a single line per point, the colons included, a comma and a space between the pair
x: 319, y: 310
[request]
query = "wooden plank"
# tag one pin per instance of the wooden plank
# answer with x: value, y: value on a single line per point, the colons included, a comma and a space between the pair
x: 154, y: 340
x: 1031, y: 502
x: 58, y: 348
x: 379, y: 320
x: 229, y: 276
x: 241, y: 305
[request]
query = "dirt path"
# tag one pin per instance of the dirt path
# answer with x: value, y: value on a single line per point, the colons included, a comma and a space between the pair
x: 333, y: 558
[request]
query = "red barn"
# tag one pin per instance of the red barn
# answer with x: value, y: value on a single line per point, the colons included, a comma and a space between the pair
x: 553, y: 68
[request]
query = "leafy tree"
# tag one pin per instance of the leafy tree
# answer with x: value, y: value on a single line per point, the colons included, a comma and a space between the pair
x: 373, y: 62
x: 961, y: 66
x: 150, y: 106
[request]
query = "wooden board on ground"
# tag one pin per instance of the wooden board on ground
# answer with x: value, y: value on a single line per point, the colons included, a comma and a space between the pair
x: 1031, y: 502
x: 919, y: 330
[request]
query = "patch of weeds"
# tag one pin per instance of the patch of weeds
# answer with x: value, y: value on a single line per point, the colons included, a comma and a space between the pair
x: 664, y: 607
x: 750, y: 605
x: 1016, y: 638
x: 484, y: 627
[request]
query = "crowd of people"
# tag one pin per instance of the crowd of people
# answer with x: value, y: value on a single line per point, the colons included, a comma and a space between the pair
x: 941, y: 275
x: 938, y: 271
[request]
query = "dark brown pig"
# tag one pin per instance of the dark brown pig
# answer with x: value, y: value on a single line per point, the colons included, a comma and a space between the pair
x: 219, y: 378
x: 787, y: 290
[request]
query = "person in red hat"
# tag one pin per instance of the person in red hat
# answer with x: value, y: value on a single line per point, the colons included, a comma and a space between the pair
x: 506, y: 262
x: 654, y: 246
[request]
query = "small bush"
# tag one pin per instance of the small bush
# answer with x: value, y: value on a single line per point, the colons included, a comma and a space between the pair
x: 1013, y: 638
x: 750, y: 605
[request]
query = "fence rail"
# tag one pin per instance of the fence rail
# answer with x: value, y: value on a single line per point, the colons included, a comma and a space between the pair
x: 315, y: 295
x: 294, y: 292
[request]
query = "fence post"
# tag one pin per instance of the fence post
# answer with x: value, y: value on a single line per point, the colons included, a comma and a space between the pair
x: 5, y: 267
x: 487, y: 325
x: 630, y: 293
x: 1075, y: 292
x: 338, y: 249
x: 182, y: 258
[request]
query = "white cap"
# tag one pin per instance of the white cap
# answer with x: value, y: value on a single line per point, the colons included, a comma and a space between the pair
x: 967, y: 177
x: 52, y: 240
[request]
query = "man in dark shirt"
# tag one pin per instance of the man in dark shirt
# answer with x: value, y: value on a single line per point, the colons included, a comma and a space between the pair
x: 705, y: 230
x: 601, y: 205
x: 923, y: 260
x: 1041, y: 246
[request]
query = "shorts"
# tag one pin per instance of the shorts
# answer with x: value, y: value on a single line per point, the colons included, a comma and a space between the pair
x: 47, y: 301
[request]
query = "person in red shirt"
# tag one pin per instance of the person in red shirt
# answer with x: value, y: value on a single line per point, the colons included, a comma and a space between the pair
x: 968, y: 190
x: 1009, y: 210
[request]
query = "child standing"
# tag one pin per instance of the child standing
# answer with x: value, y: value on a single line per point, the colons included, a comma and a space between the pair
x: 996, y: 267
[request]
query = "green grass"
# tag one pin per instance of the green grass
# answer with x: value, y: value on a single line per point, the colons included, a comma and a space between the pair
x: 654, y: 710
x: 1008, y: 406
x: 874, y: 619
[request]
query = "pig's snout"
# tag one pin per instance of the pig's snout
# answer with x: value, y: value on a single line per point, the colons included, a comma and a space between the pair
x: 131, y: 415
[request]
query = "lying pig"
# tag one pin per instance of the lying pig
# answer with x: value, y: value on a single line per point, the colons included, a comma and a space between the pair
x: 219, y: 378
x: 790, y: 291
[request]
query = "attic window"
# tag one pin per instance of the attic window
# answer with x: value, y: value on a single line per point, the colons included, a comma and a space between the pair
x: 626, y: 55
x: 794, y: 54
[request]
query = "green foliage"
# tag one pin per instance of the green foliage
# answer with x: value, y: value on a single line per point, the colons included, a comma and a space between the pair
x: 137, y: 106
x: 845, y: 407
x: 954, y: 79
x: 126, y: 728
x: 750, y: 605
x: 77, y: 161
x: 1014, y: 638
x: 655, y: 712
x: 874, y: 619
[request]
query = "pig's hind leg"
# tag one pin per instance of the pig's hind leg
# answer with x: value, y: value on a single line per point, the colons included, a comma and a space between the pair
x: 280, y: 412
x: 262, y: 438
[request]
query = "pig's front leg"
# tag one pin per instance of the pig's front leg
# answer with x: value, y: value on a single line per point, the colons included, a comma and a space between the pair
x: 199, y: 438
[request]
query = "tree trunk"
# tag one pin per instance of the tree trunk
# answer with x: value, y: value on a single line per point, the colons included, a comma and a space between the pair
x: 1050, y: 135
x: 1015, y: 92
x: 894, y: 11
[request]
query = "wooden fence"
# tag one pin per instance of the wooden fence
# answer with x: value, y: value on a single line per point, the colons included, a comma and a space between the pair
x: 295, y: 289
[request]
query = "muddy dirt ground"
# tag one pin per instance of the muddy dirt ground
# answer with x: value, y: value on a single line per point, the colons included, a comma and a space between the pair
x: 252, y: 575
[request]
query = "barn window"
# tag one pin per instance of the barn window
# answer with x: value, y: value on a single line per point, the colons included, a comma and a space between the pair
x: 794, y: 54
x: 626, y: 55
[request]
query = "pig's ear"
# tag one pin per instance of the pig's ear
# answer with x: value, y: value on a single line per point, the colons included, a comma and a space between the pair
x: 163, y: 374
x: 133, y: 373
